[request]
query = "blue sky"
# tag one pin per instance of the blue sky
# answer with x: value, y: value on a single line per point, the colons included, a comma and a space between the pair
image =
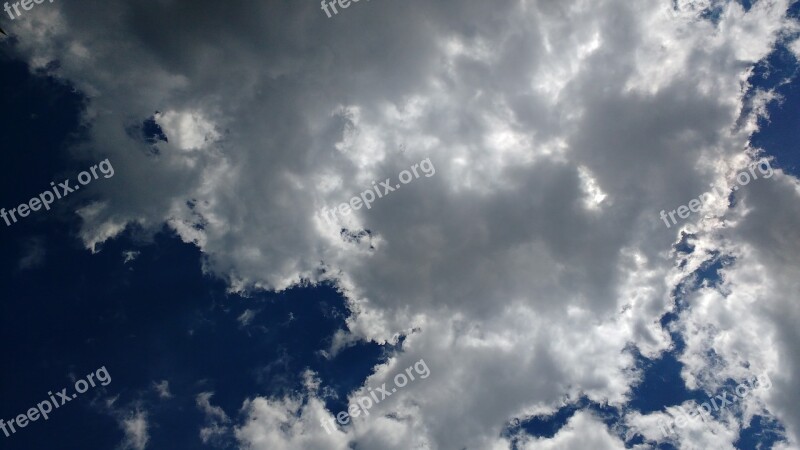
x: 531, y: 271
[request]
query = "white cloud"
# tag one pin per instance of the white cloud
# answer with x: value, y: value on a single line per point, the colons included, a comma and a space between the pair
x: 534, y: 257
x: 246, y: 317
x: 582, y: 431
x: 795, y: 48
x: 217, y: 422
x: 135, y: 428
x: 212, y: 412
x: 130, y: 255
x: 286, y: 424
x: 189, y: 130
x: 162, y: 388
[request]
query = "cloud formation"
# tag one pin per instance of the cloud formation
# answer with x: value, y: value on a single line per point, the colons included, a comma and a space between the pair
x: 135, y: 427
x: 533, y: 260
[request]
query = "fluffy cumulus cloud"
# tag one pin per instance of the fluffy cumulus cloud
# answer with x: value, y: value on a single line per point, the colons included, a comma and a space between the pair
x: 527, y: 268
x: 582, y: 431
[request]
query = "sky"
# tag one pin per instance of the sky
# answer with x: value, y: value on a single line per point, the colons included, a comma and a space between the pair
x: 508, y: 225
